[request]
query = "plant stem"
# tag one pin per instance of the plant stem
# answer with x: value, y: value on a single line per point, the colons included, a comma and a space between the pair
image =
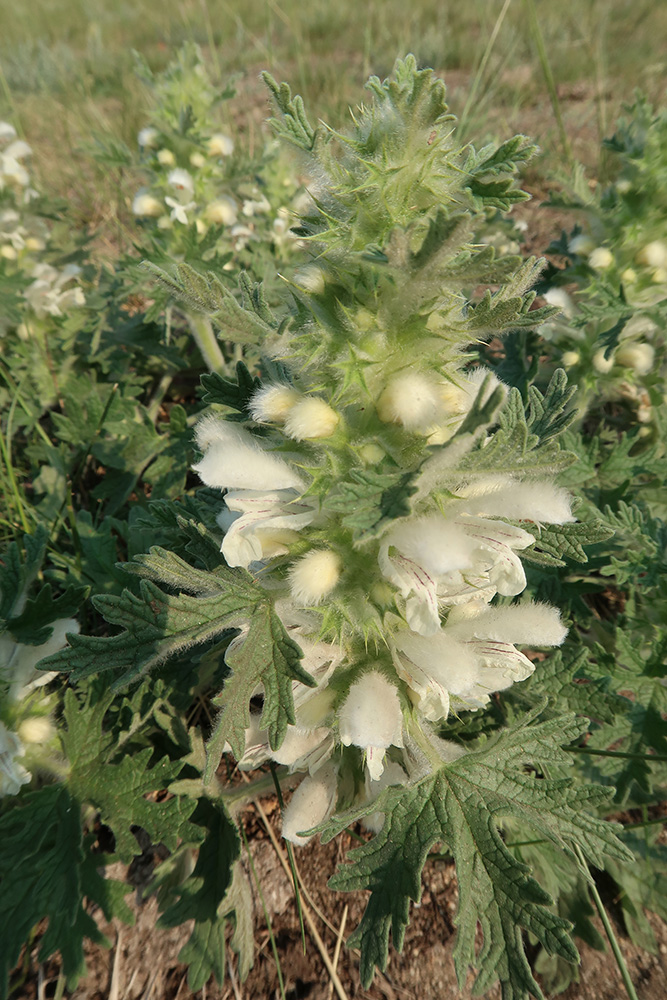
x: 207, y: 342
x: 599, y: 905
x: 261, y: 786
x: 536, y: 32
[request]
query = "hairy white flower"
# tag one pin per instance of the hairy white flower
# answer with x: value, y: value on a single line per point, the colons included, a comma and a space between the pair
x: 272, y: 403
x: 601, y: 259
x: 47, y: 294
x: 18, y: 662
x: 222, y: 212
x: 521, y: 501
x: 314, y: 576
x: 146, y: 205
x: 147, y: 137
x: 182, y: 182
x: 12, y: 170
x: 601, y: 362
x: 233, y: 459
x: 311, y: 418
x: 639, y: 357
x: 371, y: 717
x: 220, y: 145
x: 261, y: 524
x: 312, y: 803
x: 12, y: 774
x: 253, y: 207
x: 409, y: 399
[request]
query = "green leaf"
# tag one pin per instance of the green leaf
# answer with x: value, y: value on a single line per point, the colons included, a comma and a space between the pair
x: 266, y: 656
x: 294, y: 126
x: 236, y: 394
x: 119, y: 788
x: 556, y: 543
x: 32, y: 625
x: 17, y: 571
x: 369, y: 501
x: 460, y: 806
x: 46, y: 871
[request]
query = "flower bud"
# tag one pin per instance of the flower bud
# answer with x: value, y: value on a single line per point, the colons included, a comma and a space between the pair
x: 629, y: 276
x: 313, y: 801
x: 222, y: 211
x: 311, y: 418
x: 654, y: 254
x: 35, y: 244
x: 639, y: 357
x: 220, y: 145
x: 601, y: 363
x: 147, y: 137
x: 197, y: 159
x: 7, y: 252
x: 570, y: 358
x: 314, y: 576
x: 659, y: 276
x: 601, y: 259
x: 581, y: 245
x: 37, y: 729
x: 409, y: 399
x: 146, y: 206
x: 272, y: 403
x: 559, y: 297
x: 166, y: 158
x: 310, y: 279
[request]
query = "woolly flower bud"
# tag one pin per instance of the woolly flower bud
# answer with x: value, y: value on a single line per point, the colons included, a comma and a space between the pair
x: 659, y: 276
x: 311, y: 418
x: 654, y: 254
x: 409, y: 399
x: 313, y: 801
x: 166, y: 158
x: 601, y: 258
x: 639, y: 357
x: 311, y: 279
x: 272, y: 403
x: 146, y: 206
x: 570, y: 359
x: 559, y: 297
x: 581, y: 245
x: 36, y: 730
x: 220, y: 145
x: 314, y: 576
x: 222, y: 211
x: 147, y: 137
x: 601, y: 363
x: 234, y: 459
x: 197, y: 160
x: 7, y: 252
x: 371, y: 717
x: 629, y: 276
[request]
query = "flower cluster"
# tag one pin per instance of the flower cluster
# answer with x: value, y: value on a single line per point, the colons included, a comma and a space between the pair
x: 365, y: 489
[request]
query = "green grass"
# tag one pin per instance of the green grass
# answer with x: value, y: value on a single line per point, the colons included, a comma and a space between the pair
x: 67, y: 68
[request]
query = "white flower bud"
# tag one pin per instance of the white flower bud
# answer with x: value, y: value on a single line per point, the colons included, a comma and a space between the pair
x: 629, y: 276
x: 165, y: 222
x: 166, y: 158
x: 197, y: 160
x: 601, y: 258
x: 147, y: 137
x: 7, y: 132
x: 222, y: 211
x: 201, y: 227
x: 233, y: 459
x: 409, y: 399
x: 559, y: 297
x: 7, y: 252
x: 659, y: 276
x: 570, y: 358
x: 272, y: 403
x: 220, y: 145
x: 639, y: 357
x: 311, y: 418
x: 311, y: 279
x: 313, y: 801
x: 314, y: 576
x: 146, y: 206
x: 654, y: 254
x: 35, y: 244
x: 601, y: 363
x: 581, y: 245
x: 38, y: 729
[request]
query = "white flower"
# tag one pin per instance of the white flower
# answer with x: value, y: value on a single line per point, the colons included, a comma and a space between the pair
x: 179, y: 209
x: 601, y: 259
x: 639, y: 357
x: 166, y: 158
x: 146, y: 206
x: 409, y: 399
x: 314, y: 576
x: 462, y: 664
x: 11, y: 167
x: 220, y: 145
x: 18, y: 662
x: 371, y: 717
x: 570, y: 358
x: 47, y: 294
x: 311, y: 418
x: 222, y: 212
x: 7, y: 132
x: 261, y: 524
x: 393, y: 774
x: 146, y: 137
x: 312, y: 803
x: 519, y: 501
x: 12, y: 775
x: 234, y: 459
x: 272, y: 403
x: 182, y: 181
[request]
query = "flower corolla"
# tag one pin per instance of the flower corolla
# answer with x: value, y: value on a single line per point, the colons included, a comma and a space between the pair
x: 222, y: 212
x: 220, y: 145
x: 371, y: 718
x: 312, y: 803
x: 12, y: 774
x: 145, y: 205
x: 47, y: 295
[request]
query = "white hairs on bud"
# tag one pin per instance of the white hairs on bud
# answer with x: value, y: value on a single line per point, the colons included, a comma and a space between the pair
x: 314, y: 576
x: 312, y: 802
x: 527, y: 501
x: 272, y: 403
x: 526, y: 624
x: 234, y: 460
x: 411, y: 400
x: 311, y: 418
